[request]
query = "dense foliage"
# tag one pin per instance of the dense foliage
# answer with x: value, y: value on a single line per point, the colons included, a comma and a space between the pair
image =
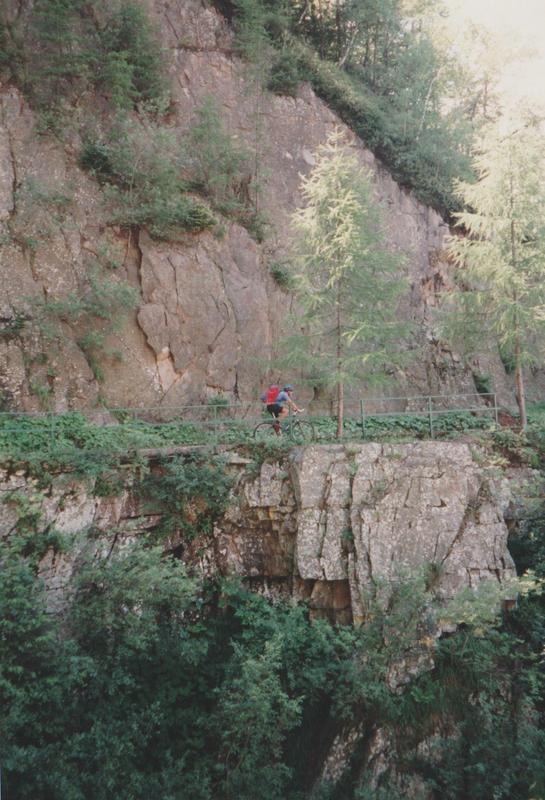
x: 188, y: 492
x: 60, y: 53
x: 149, y: 682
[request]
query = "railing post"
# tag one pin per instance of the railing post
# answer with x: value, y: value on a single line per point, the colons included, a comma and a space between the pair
x: 362, y: 409
x: 215, y: 424
x: 430, y: 415
x: 51, y: 432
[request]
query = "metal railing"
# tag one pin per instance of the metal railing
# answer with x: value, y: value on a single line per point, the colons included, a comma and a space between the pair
x: 123, y: 430
x: 432, y: 406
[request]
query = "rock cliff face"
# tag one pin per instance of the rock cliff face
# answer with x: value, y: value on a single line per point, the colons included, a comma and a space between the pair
x: 327, y: 524
x: 209, y: 312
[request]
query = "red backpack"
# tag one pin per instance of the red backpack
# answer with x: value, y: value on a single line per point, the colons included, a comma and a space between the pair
x: 271, y: 394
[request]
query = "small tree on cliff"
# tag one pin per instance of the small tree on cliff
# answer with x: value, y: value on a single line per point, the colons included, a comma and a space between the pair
x: 502, y: 259
x: 346, y: 280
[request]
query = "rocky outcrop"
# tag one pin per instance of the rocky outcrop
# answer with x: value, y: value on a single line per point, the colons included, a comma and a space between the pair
x: 209, y: 314
x: 336, y: 518
x: 327, y: 524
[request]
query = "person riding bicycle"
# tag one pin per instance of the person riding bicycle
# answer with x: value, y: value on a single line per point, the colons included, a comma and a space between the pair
x: 283, y: 402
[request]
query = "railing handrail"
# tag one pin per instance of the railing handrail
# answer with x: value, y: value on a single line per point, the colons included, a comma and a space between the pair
x: 134, y: 410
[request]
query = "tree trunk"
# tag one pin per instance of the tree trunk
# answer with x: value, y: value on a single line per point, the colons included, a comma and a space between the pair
x: 348, y: 48
x: 340, y: 409
x: 519, y: 381
x: 338, y: 30
x: 340, y: 384
x: 519, y: 387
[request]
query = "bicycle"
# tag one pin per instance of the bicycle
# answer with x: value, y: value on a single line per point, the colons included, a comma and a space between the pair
x: 298, y: 431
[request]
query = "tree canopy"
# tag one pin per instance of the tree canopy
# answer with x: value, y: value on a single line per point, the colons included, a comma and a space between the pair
x: 501, y: 256
x: 345, y: 277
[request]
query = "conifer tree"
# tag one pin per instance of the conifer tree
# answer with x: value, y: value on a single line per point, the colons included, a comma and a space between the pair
x: 346, y: 280
x: 502, y: 258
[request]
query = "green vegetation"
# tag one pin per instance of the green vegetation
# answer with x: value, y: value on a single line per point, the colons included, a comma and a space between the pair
x: 133, y: 70
x: 378, y: 65
x: 151, y: 682
x: 219, y: 167
x: 198, y: 689
x: 147, y: 170
x: 70, y: 441
x: 69, y: 49
x: 286, y: 74
x: 282, y: 274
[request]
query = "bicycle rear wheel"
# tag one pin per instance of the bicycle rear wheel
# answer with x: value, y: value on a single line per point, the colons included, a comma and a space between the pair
x: 265, y: 432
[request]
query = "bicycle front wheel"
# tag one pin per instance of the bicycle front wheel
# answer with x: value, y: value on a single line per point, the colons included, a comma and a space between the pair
x: 301, y: 431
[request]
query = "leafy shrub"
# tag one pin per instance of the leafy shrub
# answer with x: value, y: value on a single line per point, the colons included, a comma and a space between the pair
x: 507, y: 359
x: 190, y: 492
x: 256, y: 223
x: 482, y: 383
x: 147, y: 173
x: 133, y: 67
x: 67, y: 51
x: 163, y: 215
x: 218, y: 167
x: 211, y: 688
x: 450, y: 423
x: 95, y: 158
x: 140, y: 165
x: 281, y: 273
x: 70, y: 441
x: 516, y: 447
x: 285, y: 75
x: 420, y: 147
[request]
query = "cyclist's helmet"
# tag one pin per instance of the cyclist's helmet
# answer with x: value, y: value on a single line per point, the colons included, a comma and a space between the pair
x: 288, y: 388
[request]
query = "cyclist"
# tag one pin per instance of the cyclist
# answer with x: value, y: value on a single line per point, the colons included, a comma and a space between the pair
x: 282, y: 405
